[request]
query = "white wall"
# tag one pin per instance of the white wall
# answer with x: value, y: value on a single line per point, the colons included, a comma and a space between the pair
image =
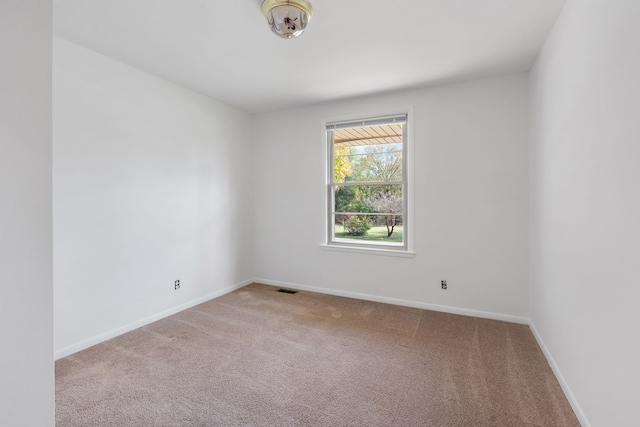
x: 471, y: 199
x: 585, y: 206
x: 26, y: 355
x: 152, y: 183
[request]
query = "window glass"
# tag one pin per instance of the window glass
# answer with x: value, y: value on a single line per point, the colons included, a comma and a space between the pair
x: 367, y: 188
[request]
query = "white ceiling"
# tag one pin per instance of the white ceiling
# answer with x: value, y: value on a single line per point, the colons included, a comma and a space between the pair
x: 225, y: 50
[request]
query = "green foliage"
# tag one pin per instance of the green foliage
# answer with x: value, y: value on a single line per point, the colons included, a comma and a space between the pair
x: 344, y: 196
x: 357, y: 225
x: 352, y: 199
x: 382, y: 162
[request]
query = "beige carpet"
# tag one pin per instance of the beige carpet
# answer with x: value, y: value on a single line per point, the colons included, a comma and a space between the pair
x: 257, y: 357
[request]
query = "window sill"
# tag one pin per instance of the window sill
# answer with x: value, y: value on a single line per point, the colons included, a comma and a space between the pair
x: 371, y: 251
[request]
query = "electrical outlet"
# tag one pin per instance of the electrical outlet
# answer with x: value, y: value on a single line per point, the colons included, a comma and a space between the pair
x: 176, y: 285
x: 443, y: 284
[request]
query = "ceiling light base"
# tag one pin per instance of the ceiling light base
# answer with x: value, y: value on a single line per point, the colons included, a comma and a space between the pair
x: 287, y: 18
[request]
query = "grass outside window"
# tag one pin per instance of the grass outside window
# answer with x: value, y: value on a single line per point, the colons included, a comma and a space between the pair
x: 375, y: 234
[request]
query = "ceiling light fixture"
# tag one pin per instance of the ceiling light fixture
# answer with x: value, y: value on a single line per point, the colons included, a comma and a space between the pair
x: 287, y: 18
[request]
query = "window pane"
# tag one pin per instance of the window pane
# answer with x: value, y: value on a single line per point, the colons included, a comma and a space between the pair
x: 369, y: 212
x: 380, y: 162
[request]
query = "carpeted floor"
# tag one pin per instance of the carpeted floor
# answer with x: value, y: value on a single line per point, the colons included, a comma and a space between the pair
x: 257, y: 357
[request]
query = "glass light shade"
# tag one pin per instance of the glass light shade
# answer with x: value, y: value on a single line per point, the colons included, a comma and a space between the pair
x: 287, y: 18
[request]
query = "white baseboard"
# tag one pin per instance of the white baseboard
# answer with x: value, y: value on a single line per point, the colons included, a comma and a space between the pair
x: 67, y: 351
x: 405, y: 303
x: 565, y: 387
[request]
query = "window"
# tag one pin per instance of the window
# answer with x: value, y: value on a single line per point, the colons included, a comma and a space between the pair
x: 367, y: 183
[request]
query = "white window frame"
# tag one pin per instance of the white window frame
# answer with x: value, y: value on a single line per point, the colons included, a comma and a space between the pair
x: 371, y: 247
